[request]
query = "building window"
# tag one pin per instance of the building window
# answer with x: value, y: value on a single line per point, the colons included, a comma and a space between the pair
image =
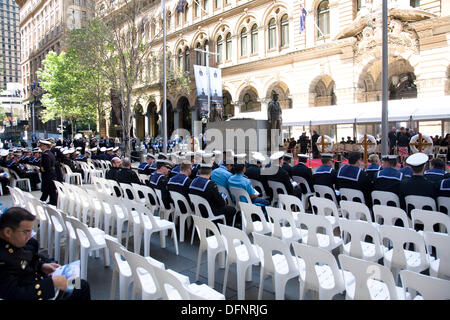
x: 219, y: 49
x: 414, y: 3
x: 186, y: 13
x: 196, y: 9
x: 218, y: 4
x: 254, y: 39
x: 199, y: 55
x: 243, y: 42
x: 272, y: 34
x: 205, y: 6
x: 228, y: 47
x: 284, y: 26
x: 186, y: 60
x: 180, y: 59
x: 205, y: 48
x: 323, y: 18
x: 179, y: 18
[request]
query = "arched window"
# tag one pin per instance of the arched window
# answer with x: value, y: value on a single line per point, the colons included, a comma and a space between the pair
x: 254, y: 39
x: 179, y: 18
x: 204, y: 54
x: 219, y: 49
x: 218, y: 4
x: 196, y: 10
x: 414, y: 3
x: 244, y: 42
x: 284, y: 28
x: 180, y: 59
x: 186, y: 60
x: 323, y: 18
x: 199, y: 55
x: 228, y: 47
x: 205, y: 6
x: 272, y: 34
x: 186, y: 14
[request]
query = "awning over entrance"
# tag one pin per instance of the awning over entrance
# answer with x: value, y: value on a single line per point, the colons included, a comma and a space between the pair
x: 399, y: 110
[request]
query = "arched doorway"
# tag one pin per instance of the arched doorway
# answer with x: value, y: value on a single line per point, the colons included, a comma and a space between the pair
x: 184, y: 113
x: 140, y: 122
x: 153, y: 118
x: 283, y: 94
x: 249, y: 100
x: 322, y: 92
x: 228, y: 107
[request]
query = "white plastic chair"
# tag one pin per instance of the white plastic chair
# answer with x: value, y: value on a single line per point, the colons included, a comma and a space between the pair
x: 443, y: 204
x: 89, y: 239
x: 72, y: 252
x: 148, y: 197
x: 258, y: 186
x: 37, y: 208
x: 326, y: 208
x: 323, y: 191
x: 213, y: 245
x: 240, y: 195
x: 325, y: 241
x: 291, y: 204
x: 275, y: 186
x: 385, y: 198
x: 431, y: 218
x: 387, y: 215
x: 243, y: 254
x: 288, y: 233
x: 399, y: 258
x: 352, y: 195
x: 144, y: 178
x: 72, y: 177
x: 60, y: 229
x: 121, y: 215
x: 129, y: 191
x: 430, y: 288
x: 23, y: 183
x: 319, y: 272
x: 420, y: 202
x: 114, y: 187
x: 281, y: 266
x: 368, y: 280
x: 355, y: 211
x: 62, y: 196
x: 228, y: 200
x: 198, y: 201
x: 121, y: 269
x: 440, y: 266
x: 184, y: 217
x: 248, y: 211
x: 308, y: 194
x: 164, y: 212
x: 357, y: 247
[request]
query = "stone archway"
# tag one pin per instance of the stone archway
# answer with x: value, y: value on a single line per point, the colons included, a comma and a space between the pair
x: 184, y: 113
x: 139, y: 122
x: 322, y: 91
x: 283, y: 94
x: 153, y: 118
x: 228, y: 107
x: 249, y: 100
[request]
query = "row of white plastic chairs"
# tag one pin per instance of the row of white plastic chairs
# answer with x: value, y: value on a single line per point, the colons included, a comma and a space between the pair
x: 315, y: 267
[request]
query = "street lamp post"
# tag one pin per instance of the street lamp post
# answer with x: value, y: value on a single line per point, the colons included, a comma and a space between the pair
x: 384, y: 104
x: 163, y: 3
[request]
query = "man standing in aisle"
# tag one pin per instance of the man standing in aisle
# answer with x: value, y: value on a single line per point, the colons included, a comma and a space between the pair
x: 48, y: 173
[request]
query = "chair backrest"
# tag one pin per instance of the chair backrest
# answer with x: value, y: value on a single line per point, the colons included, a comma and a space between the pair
x: 355, y: 211
x: 277, y: 188
x: 228, y: 200
x: 144, y: 178
x: 352, y: 195
x: 115, y: 187
x: 444, y: 204
x: 250, y: 210
x: 419, y: 202
x: 323, y: 206
x: 202, y: 225
x: 441, y: 242
x: 313, y: 223
x: 197, y: 201
x: 84, y: 237
x: 240, y: 195
x: 365, y: 273
x: 290, y: 203
x: 358, y: 230
x: 180, y: 198
x: 67, y: 168
x: 325, y: 192
x: 144, y: 214
x: 399, y: 237
x: 279, y: 217
x: 430, y: 288
x: 116, y: 251
x: 387, y: 215
x: 302, y: 181
x: 233, y: 235
x: 170, y: 286
x: 56, y: 217
x: 270, y: 244
x: 160, y: 199
x: 129, y: 191
x: 385, y: 198
x: 150, y: 196
x: 313, y: 256
x: 258, y: 186
x: 430, y: 218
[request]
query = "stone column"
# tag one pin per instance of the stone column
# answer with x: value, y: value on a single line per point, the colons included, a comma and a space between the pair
x: 146, y: 126
x: 176, y: 119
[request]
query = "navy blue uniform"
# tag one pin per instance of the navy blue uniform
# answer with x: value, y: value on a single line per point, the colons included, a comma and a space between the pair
x: 435, y: 175
x: 352, y: 177
x: 180, y: 183
x: 417, y: 186
x: 159, y: 181
x: 325, y: 176
x: 301, y: 170
x: 389, y: 180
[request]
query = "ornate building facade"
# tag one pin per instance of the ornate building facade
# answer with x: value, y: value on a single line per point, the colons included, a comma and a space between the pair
x: 311, y: 52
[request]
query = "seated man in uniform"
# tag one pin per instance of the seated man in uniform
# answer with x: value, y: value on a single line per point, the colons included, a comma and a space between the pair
x: 287, y: 166
x: 406, y: 170
x: 116, y: 152
x: 253, y: 171
x: 180, y: 182
x: 80, y: 157
x: 325, y: 174
x: 24, y: 273
x: 22, y: 171
x: 147, y: 166
x: 116, y: 164
x: 160, y: 178
x: 94, y: 155
x: 206, y: 188
x: 437, y: 171
x: 36, y: 161
x: 126, y: 174
x: 282, y: 176
x: 352, y: 177
x: 221, y: 175
x: 70, y: 163
x: 416, y: 185
x: 443, y: 189
x: 388, y: 178
x: 301, y: 170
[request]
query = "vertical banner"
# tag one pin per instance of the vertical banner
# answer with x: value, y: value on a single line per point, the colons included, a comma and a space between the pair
x: 215, y: 88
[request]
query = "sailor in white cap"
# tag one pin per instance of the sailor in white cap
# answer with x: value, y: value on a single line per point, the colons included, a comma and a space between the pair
x: 148, y: 166
x: 80, y: 157
x: 303, y: 171
x: 417, y: 185
x: 218, y: 155
x: 287, y: 163
x: 36, y: 158
x: 70, y: 163
x: 388, y: 178
x: 325, y: 174
x: 109, y: 153
x: 22, y: 171
x: 94, y: 153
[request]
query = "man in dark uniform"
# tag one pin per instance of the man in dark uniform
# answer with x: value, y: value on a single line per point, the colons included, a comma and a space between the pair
x: 102, y: 154
x: 416, y: 185
x: 351, y: 176
x: 315, y: 150
x: 70, y: 163
x: 116, y: 164
x: 126, y: 174
x: 22, y: 171
x: 282, y: 176
x: 94, y: 155
x: 109, y: 153
x: 146, y: 167
x: 287, y: 163
x: 253, y: 171
x: 59, y: 158
x: 388, y: 178
x: 180, y: 182
x: 301, y: 170
x: 25, y: 156
x: 206, y: 188
x: 116, y: 152
x: 303, y: 141
x: 48, y: 173
x: 444, y: 189
x: 36, y: 159
x: 325, y: 174
x: 160, y: 178
x: 437, y: 171
x: 4, y: 176
x: 81, y: 156
x: 24, y: 273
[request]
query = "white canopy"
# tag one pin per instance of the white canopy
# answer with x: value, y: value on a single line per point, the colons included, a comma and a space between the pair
x: 399, y: 110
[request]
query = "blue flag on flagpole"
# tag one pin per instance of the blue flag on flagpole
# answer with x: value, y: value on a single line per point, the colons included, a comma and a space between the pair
x: 180, y: 5
x: 302, y: 19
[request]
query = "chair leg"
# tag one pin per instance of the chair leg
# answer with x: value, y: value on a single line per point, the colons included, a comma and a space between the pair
x: 261, y: 283
x: 302, y: 290
x: 83, y: 262
x: 227, y: 267
x: 147, y: 237
x: 211, y: 269
x: 175, y: 241
x: 241, y: 277
x: 199, y: 258
x: 106, y: 261
x: 280, y: 285
x: 115, y: 275
x: 162, y: 238
x: 124, y: 285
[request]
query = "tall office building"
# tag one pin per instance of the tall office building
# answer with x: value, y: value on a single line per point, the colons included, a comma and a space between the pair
x: 10, y: 43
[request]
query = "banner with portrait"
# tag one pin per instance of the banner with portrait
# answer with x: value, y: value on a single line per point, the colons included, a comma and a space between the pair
x: 215, y: 88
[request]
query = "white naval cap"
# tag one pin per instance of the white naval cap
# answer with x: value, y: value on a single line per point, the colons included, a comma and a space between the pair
x: 417, y: 159
x: 208, y: 157
x: 45, y: 142
x: 94, y: 149
x: 102, y: 149
x: 327, y: 155
x: 4, y: 152
x: 258, y: 156
x: 277, y: 155
x: 115, y: 149
x: 303, y: 156
x: 240, y: 158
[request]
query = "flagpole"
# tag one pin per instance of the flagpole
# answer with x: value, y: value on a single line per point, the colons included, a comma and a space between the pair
x: 385, y: 66
x: 163, y: 3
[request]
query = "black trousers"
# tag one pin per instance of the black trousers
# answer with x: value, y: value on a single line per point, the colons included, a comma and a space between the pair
x: 49, y: 190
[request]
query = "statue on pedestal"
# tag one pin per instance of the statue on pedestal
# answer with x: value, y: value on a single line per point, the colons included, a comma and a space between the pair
x: 274, y: 119
x: 216, y: 112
